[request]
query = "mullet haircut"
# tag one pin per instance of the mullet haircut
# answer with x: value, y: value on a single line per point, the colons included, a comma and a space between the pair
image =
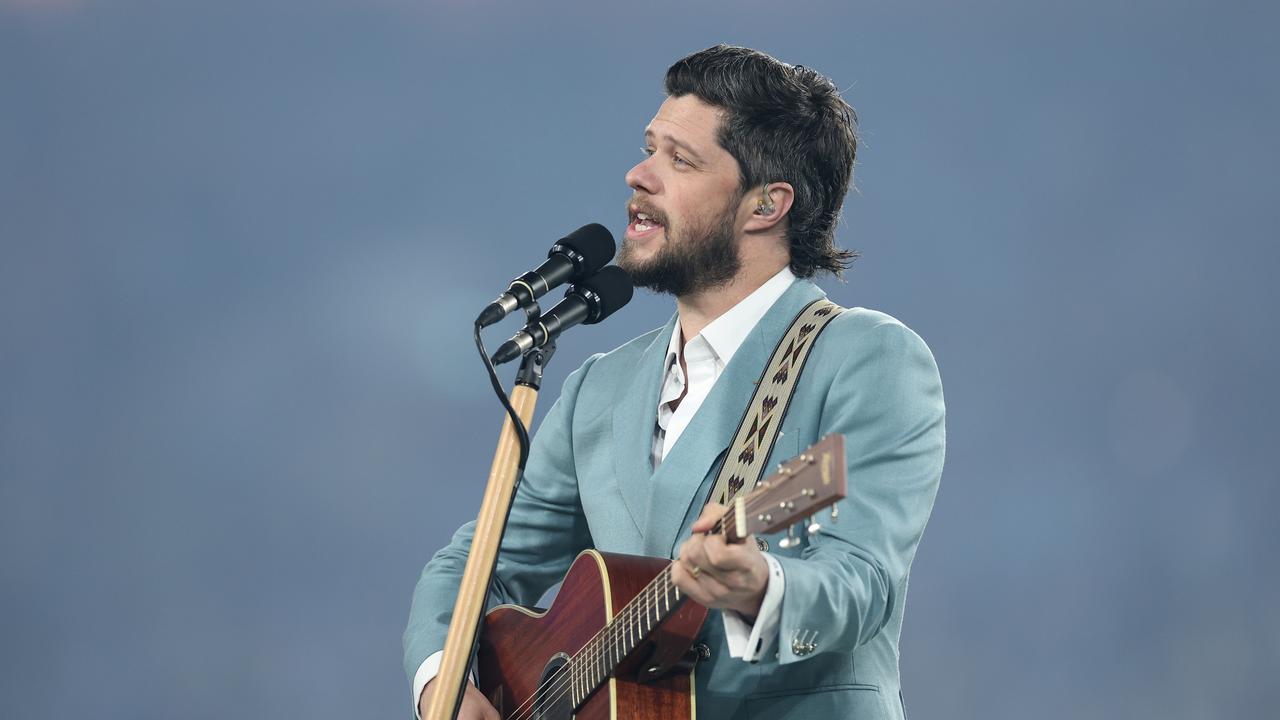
x: 782, y: 123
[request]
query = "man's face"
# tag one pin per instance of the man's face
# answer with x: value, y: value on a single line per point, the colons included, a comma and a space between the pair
x: 684, y: 212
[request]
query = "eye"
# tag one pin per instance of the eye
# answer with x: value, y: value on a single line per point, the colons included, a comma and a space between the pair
x: 648, y: 151
x: 677, y: 159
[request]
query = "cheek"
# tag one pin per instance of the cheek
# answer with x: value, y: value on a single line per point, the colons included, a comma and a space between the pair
x: 700, y: 205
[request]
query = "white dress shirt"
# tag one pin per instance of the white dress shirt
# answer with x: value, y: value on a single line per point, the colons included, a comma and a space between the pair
x: 705, y: 356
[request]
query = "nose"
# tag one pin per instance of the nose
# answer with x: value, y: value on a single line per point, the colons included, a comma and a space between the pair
x: 641, y: 177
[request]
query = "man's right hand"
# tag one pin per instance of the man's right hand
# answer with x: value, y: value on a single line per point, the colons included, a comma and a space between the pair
x: 474, y: 704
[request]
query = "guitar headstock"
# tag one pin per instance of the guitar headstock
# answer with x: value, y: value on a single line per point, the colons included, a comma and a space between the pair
x: 802, y: 486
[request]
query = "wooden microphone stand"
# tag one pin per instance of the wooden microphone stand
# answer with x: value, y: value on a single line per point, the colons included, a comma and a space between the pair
x: 460, y: 643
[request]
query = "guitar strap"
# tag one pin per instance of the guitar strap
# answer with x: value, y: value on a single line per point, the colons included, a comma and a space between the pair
x: 758, y: 430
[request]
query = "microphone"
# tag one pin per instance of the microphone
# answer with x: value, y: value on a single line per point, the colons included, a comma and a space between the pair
x: 577, y: 255
x: 587, y: 302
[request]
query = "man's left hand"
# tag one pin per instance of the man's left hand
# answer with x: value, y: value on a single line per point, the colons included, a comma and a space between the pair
x: 718, y: 574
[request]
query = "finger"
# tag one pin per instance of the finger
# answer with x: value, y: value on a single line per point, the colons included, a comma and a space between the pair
x: 705, y: 569
x: 720, y: 557
x: 694, y: 591
x: 711, y: 514
x: 716, y: 592
x: 693, y: 553
x: 696, y: 588
x: 726, y: 559
x: 476, y: 705
x: 682, y: 576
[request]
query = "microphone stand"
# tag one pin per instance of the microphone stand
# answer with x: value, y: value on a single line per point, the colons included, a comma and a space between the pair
x: 468, y: 611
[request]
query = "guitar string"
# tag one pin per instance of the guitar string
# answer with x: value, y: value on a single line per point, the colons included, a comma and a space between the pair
x: 628, y: 618
x: 576, y: 674
x: 608, y: 639
x: 579, y: 675
x: 586, y: 658
x: 595, y: 651
x: 584, y: 675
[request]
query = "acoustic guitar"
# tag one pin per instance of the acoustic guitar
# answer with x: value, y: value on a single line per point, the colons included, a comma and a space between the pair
x: 617, y: 640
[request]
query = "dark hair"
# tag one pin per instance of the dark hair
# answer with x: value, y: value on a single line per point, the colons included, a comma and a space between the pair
x: 782, y: 123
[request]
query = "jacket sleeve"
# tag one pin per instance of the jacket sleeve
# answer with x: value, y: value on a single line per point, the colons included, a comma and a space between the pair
x: 545, y: 530
x: 886, y: 398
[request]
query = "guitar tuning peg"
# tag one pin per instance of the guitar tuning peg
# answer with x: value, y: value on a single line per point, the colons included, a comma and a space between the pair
x: 790, y: 540
x: 835, y: 513
x: 813, y: 527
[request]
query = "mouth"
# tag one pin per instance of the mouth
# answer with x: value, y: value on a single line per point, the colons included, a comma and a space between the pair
x: 642, y: 224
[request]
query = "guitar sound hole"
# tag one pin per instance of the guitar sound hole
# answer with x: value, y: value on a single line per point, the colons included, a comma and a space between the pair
x: 552, y: 701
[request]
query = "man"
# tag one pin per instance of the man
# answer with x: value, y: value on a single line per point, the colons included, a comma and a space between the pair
x: 734, y: 206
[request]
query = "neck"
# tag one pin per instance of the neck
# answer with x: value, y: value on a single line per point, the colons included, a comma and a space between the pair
x: 698, y: 309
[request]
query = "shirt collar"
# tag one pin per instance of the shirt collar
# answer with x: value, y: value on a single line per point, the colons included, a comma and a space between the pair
x: 725, y: 334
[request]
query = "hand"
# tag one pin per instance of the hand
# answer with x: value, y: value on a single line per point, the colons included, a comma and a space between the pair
x: 718, y: 574
x: 474, y: 704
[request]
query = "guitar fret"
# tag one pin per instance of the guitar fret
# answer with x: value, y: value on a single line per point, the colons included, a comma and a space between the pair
x: 657, y: 607
x: 576, y: 682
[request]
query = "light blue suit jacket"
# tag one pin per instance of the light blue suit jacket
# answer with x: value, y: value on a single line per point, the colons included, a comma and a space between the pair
x: 589, y: 482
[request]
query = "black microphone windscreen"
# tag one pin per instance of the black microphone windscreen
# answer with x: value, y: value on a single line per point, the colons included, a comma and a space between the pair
x: 614, y: 287
x: 593, y: 242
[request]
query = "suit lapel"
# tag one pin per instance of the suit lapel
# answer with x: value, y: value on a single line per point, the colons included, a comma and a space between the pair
x: 635, y: 411
x: 675, y: 484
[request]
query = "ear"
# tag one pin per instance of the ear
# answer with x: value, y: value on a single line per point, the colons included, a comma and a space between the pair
x: 769, y: 206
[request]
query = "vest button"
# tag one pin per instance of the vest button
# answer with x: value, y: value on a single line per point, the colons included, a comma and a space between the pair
x: 762, y: 544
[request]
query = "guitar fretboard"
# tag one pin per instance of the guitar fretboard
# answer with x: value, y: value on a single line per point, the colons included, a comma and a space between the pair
x: 595, y: 662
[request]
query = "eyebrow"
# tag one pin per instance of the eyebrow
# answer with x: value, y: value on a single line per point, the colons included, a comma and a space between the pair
x: 693, y: 154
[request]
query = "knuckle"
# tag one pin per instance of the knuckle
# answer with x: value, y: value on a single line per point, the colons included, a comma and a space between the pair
x: 719, y: 556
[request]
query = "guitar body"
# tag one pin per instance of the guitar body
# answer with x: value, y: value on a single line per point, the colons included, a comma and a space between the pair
x: 520, y: 649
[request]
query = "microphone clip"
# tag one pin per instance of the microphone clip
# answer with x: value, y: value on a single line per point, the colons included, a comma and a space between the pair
x: 532, y: 313
x: 533, y: 363
x: 534, y: 360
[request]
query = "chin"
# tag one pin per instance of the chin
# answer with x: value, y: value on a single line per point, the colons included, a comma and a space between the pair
x: 636, y: 256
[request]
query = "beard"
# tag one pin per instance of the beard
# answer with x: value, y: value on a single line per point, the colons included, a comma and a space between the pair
x: 689, y: 261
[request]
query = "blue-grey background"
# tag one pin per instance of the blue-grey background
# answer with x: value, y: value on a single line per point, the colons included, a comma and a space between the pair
x: 241, y: 244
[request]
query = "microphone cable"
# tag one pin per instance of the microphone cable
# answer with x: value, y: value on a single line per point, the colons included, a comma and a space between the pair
x: 522, y: 433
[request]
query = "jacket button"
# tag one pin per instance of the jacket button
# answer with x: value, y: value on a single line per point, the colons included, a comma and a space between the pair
x: 762, y: 544
x: 704, y: 652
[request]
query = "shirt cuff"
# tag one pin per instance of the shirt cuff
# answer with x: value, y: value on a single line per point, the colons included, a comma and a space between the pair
x: 749, y: 642
x: 427, y: 672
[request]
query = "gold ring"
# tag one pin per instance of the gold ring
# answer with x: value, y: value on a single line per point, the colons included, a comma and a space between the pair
x: 696, y: 571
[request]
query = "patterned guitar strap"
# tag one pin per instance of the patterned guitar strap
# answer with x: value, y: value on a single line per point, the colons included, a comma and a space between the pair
x: 758, y: 430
